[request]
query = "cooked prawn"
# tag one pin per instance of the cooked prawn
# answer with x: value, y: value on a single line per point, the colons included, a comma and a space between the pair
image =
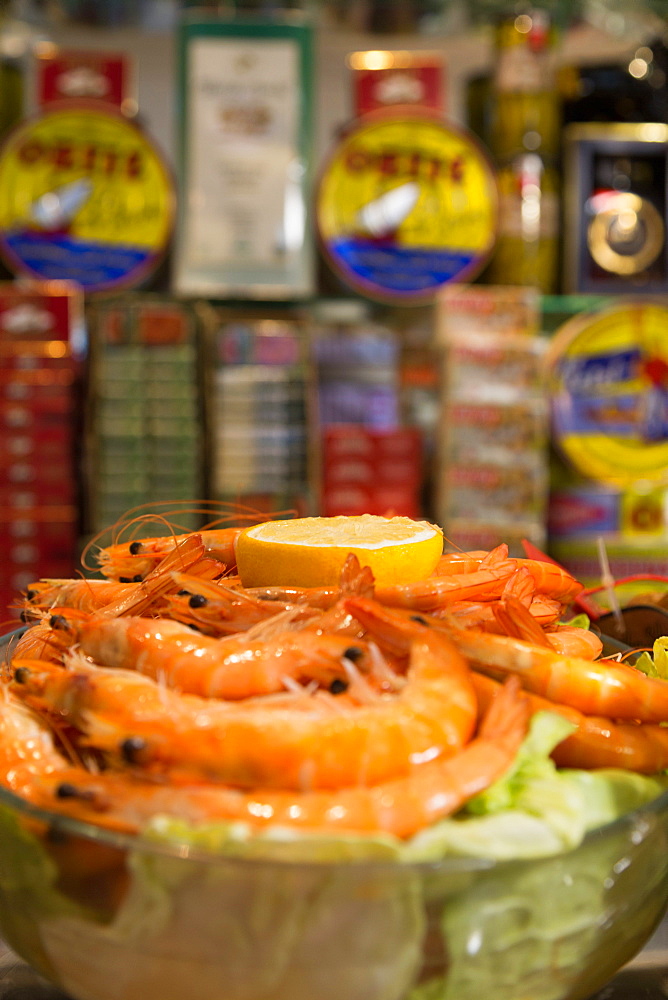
x: 127, y: 561
x: 234, y: 667
x: 26, y: 745
x: 520, y: 586
x: 432, y: 715
x: 599, y: 687
x: 572, y: 640
x: 430, y: 791
x: 354, y: 579
x: 220, y: 609
x: 595, y: 741
x: 548, y: 577
x: 114, y: 598
x: 569, y: 640
x: 38, y: 641
x: 437, y: 592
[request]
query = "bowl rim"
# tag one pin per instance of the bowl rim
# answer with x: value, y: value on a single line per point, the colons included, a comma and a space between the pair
x: 456, y: 863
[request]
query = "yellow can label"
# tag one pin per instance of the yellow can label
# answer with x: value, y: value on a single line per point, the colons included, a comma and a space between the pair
x: 84, y: 196
x: 609, y: 391
x: 406, y: 203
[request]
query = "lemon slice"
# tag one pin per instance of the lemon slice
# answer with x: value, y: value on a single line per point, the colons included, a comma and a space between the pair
x: 310, y: 551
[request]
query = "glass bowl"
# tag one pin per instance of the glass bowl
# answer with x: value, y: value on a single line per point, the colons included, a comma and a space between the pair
x: 106, y: 916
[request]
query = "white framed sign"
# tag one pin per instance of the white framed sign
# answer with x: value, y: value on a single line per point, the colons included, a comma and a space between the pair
x: 244, y: 230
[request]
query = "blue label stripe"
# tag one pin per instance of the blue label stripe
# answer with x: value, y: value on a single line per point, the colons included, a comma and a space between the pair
x: 90, y: 264
x: 400, y: 269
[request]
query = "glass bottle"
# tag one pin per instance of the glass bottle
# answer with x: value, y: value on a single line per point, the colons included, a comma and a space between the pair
x: 524, y: 139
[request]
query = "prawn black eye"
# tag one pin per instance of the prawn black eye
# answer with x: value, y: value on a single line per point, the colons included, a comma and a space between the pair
x: 137, y: 579
x: 135, y: 548
x: 124, y: 579
x: 182, y: 593
x: 59, y: 622
x: 24, y: 617
x: 131, y: 749
x: 21, y: 675
x: 338, y: 686
x: 197, y: 601
x: 31, y: 594
x: 419, y: 619
x: 353, y: 653
x: 67, y: 791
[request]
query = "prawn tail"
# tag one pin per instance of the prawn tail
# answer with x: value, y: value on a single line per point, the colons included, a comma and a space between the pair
x: 506, y: 720
x: 355, y: 578
x: 515, y: 620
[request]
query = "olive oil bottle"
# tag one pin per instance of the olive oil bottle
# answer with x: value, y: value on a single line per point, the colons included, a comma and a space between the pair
x: 525, y: 125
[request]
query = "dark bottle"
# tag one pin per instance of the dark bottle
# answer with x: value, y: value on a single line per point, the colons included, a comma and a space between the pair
x: 635, y: 90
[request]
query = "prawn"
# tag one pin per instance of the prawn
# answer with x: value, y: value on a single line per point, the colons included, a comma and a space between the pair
x: 521, y: 588
x: 127, y: 561
x: 354, y: 579
x: 549, y: 578
x: 234, y: 667
x: 26, y: 745
x: 40, y: 642
x: 600, y: 687
x: 569, y: 640
x: 220, y: 609
x: 400, y: 807
x: 596, y: 741
x: 114, y: 598
x: 436, y: 592
x: 122, y: 712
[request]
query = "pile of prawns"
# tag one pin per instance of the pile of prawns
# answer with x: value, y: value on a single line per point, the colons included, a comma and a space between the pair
x: 168, y: 688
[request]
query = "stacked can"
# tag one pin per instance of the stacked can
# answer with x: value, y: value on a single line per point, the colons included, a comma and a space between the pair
x: 258, y: 405
x: 40, y: 340
x: 370, y: 463
x: 492, y: 479
x: 145, y: 450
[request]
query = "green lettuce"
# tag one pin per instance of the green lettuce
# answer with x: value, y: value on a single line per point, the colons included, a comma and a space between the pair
x: 655, y: 664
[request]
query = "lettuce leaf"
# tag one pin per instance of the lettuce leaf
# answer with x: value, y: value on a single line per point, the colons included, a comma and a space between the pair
x: 655, y: 664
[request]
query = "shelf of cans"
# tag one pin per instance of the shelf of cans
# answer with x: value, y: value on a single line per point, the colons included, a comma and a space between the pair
x: 144, y: 413
x: 183, y: 411
x: 369, y: 459
x: 40, y: 381
x: 492, y: 469
x: 258, y: 389
x: 260, y: 411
